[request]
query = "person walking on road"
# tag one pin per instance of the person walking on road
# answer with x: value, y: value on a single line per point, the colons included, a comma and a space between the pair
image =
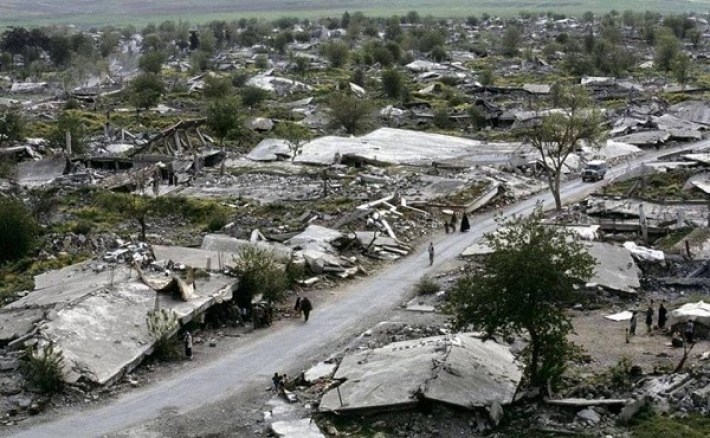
x: 431, y: 253
x: 306, y: 308
x: 188, y: 344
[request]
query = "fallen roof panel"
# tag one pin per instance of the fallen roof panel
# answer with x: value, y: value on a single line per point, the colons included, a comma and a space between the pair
x: 459, y: 370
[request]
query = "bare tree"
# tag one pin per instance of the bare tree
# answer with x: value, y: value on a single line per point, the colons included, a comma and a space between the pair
x: 558, y: 133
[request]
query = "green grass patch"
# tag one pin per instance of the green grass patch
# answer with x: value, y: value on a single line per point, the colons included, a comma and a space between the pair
x: 672, y: 239
x: 651, y: 425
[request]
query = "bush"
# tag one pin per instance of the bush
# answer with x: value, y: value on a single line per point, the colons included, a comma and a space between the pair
x: 427, y: 286
x: 162, y: 325
x: 43, y: 368
x: 18, y: 231
x: 259, y: 273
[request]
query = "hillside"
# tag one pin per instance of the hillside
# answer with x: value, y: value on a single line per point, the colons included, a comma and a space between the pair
x: 120, y: 12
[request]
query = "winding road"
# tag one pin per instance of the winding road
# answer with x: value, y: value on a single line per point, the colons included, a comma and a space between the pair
x: 245, y: 367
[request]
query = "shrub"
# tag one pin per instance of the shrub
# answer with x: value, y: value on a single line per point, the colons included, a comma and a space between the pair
x: 18, y: 231
x: 427, y: 285
x: 162, y: 325
x: 43, y: 368
x: 259, y: 273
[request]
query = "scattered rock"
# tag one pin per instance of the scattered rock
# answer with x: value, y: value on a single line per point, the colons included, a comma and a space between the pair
x: 496, y: 413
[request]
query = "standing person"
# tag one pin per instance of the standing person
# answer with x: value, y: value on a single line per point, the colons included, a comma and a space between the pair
x: 188, y: 344
x: 662, y: 316
x: 276, y: 382
x: 632, y: 325
x: 689, y: 330
x: 306, y: 308
x: 649, y: 319
x: 431, y: 253
x: 297, y: 307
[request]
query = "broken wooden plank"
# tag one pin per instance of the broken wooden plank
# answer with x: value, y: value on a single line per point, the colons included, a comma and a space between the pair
x: 375, y: 203
x: 388, y: 228
x: 583, y: 402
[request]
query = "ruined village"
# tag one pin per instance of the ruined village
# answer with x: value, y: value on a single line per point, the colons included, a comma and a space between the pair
x: 200, y: 178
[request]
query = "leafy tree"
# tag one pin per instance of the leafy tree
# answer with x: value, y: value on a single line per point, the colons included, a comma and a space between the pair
x: 393, y: 28
x: 524, y: 287
x: 108, y: 42
x: 12, y: 125
x: 252, y: 96
x: 588, y: 17
x: 392, y: 83
x: 60, y: 50
x: 18, y: 232
x: 358, y: 77
x: 145, y: 90
x: 477, y: 116
x: 682, y: 65
x: 295, y: 135
x: 69, y: 121
x: 558, y: 133
x: 336, y: 53
x: 217, y: 87
x: 667, y: 48
x: 260, y: 273
x: 152, y: 62
x: 129, y: 205
x: 200, y: 61
x: 349, y: 112
x: 223, y: 118
x: 439, y: 54
x: 511, y: 41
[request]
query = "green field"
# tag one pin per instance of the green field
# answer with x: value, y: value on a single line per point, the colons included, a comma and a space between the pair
x: 85, y: 13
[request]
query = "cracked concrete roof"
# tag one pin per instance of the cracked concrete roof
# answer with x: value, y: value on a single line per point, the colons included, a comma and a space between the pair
x: 460, y: 370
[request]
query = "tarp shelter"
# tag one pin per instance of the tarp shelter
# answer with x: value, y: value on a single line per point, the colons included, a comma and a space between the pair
x: 700, y: 312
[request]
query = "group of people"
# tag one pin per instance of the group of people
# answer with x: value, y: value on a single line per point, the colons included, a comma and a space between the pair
x: 688, y: 327
x: 304, y: 306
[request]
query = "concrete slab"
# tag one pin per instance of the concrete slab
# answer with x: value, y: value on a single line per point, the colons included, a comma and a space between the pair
x: 197, y: 258
x: 42, y: 172
x: 645, y: 138
x: 399, y: 146
x: 698, y: 312
x: 230, y: 245
x: 17, y: 323
x: 321, y: 370
x: 98, y: 319
x: 317, y: 238
x: 467, y: 372
x: 615, y: 269
x: 304, y: 428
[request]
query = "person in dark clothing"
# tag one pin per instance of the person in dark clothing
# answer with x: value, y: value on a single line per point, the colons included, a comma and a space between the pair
x: 276, y: 382
x: 297, y: 307
x: 649, y: 319
x: 188, y: 344
x: 662, y: 316
x: 632, y: 323
x: 431, y: 253
x: 306, y: 308
x: 689, y: 331
x: 465, y: 224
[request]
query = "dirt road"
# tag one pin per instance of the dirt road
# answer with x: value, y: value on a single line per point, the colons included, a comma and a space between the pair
x: 251, y: 365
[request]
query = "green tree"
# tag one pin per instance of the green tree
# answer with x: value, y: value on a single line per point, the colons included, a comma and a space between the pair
x: 145, y: 90
x: 152, y: 62
x: 682, y: 65
x: 12, y: 125
x: 252, y: 97
x: 510, y: 43
x: 524, y: 287
x: 18, y: 230
x: 295, y: 135
x: 667, y: 47
x: 557, y: 134
x: 349, y: 112
x: 336, y: 53
x: 260, y: 272
x: 217, y: 87
x: 392, y: 83
x: 131, y: 206
x: 223, y: 118
x: 70, y: 121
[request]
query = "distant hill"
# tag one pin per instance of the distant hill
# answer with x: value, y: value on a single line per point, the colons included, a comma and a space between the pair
x: 140, y: 12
